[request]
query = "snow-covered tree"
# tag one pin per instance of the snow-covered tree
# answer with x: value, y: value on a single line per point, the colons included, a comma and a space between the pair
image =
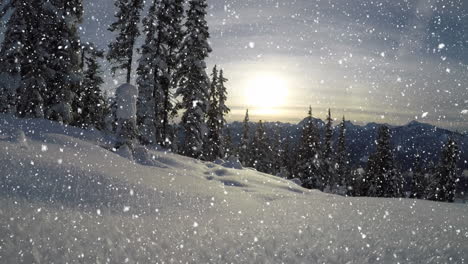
x: 245, y: 156
x: 12, y: 53
x: 63, y: 47
x: 157, y: 68
x: 92, y: 107
x: 229, y: 149
x: 342, y: 161
x: 147, y: 79
x: 446, y: 174
x: 419, y: 182
x: 384, y: 179
x: 277, y: 151
x: 193, y: 82
x: 308, y: 159
x: 327, y: 148
x: 213, y: 145
x: 42, y: 63
x: 121, y: 50
x: 330, y: 181
x: 261, y: 150
x: 288, y: 159
x: 126, y: 97
x: 221, y: 93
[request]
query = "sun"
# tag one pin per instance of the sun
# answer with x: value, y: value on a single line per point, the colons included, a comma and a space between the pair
x: 266, y: 91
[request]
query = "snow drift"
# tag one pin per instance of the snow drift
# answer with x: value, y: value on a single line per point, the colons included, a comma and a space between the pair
x: 65, y: 196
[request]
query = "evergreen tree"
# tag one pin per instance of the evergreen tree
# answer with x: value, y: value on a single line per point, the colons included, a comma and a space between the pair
x: 244, y: 147
x: 223, y: 110
x: 12, y: 53
x: 193, y: 82
x: 446, y: 173
x: 330, y: 177
x: 63, y: 47
x: 42, y: 67
x: 221, y: 93
x: 308, y: 159
x: 288, y: 159
x: 277, y: 151
x: 126, y: 27
x: 229, y: 149
x: 261, y: 149
x: 92, y: 104
x: 342, y: 161
x: 384, y: 178
x: 156, y: 70
x: 419, y: 182
x: 328, y: 150
x: 147, y: 79
x: 213, y: 145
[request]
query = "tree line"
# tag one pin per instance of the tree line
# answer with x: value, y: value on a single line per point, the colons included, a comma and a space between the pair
x: 317, y: 161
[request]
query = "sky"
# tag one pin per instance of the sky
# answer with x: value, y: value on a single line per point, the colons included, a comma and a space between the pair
x: 385, y: 61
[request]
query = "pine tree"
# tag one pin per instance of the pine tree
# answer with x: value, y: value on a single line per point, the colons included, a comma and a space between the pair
x: 244, y: 147
x: 213, y: 145
x: 308, y: 159
x: 62, y: 43
x: 147, y: 79
x: 261, y: 150
x: 223, y: 110
x: 342, y: 161
x: 44, y: 59
x: 193, y: 82
x: 12, y: 53
x: 277, y: 151
x: 221, y: 93
x: 288, y: 159
x: 419, y: 184
x: 22, y: 61
x: 92, y: 105
x: 330, y: 177
x: 157, y: 68
x: 174, y: 40
x: 384, y: 179
x: 446, y: 173
x: 228, y: 145
x: 328, y: 150
x: 126, y: 27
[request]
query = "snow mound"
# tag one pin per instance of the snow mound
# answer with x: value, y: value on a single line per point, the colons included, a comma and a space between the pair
x: 68, y: 198
x: 125, y: 152
x: 19, y: 137
x: 232, y: 162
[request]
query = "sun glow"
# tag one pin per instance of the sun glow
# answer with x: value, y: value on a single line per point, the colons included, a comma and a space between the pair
x: 266, y: 92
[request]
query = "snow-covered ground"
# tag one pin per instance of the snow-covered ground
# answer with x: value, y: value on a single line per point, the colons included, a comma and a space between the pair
x: 65, y: 197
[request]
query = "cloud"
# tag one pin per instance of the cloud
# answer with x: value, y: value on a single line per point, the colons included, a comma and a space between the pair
x: 365, y: 55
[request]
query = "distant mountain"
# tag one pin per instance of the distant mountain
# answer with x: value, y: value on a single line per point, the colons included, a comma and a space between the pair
x: 409, y: 140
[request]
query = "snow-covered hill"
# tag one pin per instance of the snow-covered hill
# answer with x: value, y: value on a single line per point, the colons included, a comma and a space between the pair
x: 65, y: 197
